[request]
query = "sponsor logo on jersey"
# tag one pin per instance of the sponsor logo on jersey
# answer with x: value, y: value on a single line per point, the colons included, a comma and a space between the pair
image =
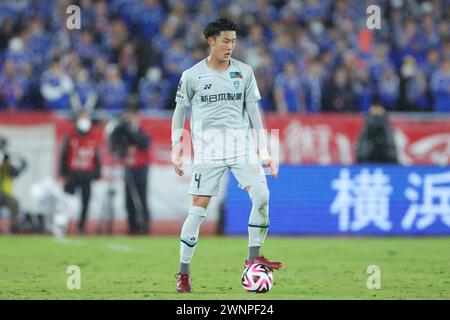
x: 221, y: 97
x: 205, y: 76
x: 236, y: 74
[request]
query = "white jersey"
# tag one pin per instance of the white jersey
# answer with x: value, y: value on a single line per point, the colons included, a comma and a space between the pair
x: 219, y: 121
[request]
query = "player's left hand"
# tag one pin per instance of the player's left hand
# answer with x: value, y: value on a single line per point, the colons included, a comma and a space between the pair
x: 267, y: 162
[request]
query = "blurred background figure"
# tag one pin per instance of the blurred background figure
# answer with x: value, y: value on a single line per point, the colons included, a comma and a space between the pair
x: 154, y: 91
x: 321, y: 38
x: 13, y: 87
x: 136, y: 174
x: 8, y: 171
x: 80, y: 163
x: 440, y: 86
x: 113, y: 91
x: 130, y: 144
x: 376, y: 142
x: 56, y: 87
x: 289, y: 95
x: 84, y: 99
x: 338, y: 95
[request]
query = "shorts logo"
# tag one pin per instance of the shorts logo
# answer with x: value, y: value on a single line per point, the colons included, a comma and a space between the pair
x: 236, y: 84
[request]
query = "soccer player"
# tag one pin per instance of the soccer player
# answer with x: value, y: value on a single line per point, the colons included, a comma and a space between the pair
x: 223, y: 95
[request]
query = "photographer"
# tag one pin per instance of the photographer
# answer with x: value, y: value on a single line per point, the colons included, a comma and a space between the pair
x: 131, y: 145
x: 80, y: 163
x: 376, y: 142
x: 9, y: 171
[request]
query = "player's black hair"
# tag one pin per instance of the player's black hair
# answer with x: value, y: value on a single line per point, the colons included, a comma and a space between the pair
x: 221, y: 24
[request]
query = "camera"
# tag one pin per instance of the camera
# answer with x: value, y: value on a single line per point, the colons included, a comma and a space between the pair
x: 119, y: 135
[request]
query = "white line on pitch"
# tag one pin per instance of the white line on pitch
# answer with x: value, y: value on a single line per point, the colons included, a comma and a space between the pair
x: 70, y: 242
x: 119, y: 247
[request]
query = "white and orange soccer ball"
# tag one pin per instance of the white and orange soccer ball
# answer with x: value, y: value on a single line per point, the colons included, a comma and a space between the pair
x: 257, y: 278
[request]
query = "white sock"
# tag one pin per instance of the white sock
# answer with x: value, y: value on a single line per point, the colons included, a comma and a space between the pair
x: 189, y: 233
x: 258, y: 223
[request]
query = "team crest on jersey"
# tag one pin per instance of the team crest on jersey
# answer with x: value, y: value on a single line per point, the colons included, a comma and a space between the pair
x: 236, y: 74
x: 236, y: 84
x: 179, y: 86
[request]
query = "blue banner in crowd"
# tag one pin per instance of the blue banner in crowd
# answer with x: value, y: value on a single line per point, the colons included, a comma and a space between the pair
x: 350, y: 200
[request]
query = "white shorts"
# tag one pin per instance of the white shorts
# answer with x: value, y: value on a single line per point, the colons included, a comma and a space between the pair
x: 205, y: 179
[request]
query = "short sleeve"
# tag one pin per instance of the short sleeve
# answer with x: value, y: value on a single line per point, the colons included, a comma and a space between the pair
x: 251, y: 90
x: 184, y: 92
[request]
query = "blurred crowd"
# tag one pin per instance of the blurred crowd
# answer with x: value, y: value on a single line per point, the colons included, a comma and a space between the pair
x: 308, y: 55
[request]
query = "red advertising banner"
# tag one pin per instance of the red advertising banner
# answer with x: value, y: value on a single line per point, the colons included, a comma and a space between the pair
x: 309, y: 139
x: 331, y: 139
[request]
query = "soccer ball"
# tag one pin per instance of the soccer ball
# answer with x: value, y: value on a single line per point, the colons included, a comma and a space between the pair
x: 257, y: 278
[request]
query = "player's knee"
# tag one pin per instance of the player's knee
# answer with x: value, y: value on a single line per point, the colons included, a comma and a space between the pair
x: 197, y: 211
x: 259, y: 193
x: 201, y: 201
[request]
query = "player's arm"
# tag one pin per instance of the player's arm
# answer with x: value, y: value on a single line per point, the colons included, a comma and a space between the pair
x: 183, y: 99
x: 257, y: 124
x: 178, y: 119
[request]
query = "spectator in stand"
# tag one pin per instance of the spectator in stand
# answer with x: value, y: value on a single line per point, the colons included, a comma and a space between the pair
x: 101, y: 23
x: 19, y: 55
x: 413, y: 91
x: 115, y: 38
x: 128, y: 66
x: 289, y: 91
x: 85, y: 96
x: 154, y: 91
x: 440, y: 87
x: 282, y: 51
x: 314, y: 87
x: 431, y: 64
x: 151, y: 16
x: 38, y: 42
x: 86, y: 48
x: 363, y: 89
x: 142, y: 33
x: 387, y: 89
x: 175, y: 61
x: 13, y: 87
x: 56, y: 87
x: 338, y: 94
x: 113, y: 91
x: 163, y: 40
x: 379, y: 63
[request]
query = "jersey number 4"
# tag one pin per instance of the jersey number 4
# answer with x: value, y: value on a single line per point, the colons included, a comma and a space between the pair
x: 197, y: 178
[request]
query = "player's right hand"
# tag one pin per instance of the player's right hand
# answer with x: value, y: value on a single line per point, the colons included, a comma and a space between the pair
x: 177, y: 160
x: 268, y: 162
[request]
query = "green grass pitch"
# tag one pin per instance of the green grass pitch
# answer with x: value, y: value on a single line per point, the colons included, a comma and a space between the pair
x: 144, y: 268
